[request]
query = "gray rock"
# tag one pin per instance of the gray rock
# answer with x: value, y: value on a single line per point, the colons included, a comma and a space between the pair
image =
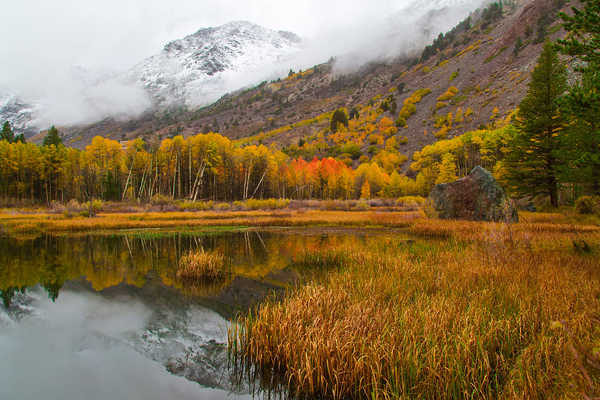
x: 478, y: 197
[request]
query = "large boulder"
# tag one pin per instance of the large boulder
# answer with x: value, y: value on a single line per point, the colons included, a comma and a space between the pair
x: 478, y: 197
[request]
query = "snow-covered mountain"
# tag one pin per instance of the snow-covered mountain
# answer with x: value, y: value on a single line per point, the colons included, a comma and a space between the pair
x: 192, y: 71
x: 18, y: 113
x: 201, y: 67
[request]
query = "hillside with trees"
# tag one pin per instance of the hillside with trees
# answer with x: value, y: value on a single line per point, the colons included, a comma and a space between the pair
x: 478, y: 95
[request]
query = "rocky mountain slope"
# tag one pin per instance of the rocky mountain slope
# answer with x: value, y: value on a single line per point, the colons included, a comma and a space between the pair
x: 474, y: 76
x: 201, y: 67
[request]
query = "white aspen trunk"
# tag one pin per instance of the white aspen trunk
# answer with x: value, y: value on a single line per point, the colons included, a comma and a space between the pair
x: 127, y: 182
x: 261, y: 180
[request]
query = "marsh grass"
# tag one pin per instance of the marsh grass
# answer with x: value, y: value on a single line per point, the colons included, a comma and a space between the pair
x: 480, y: 316
x: 325, y: 260
x: 20, y: 223
x: 203, y: 231
x: 202, y: 266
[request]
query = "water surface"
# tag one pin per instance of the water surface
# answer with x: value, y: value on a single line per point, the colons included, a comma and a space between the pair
x: 104, y: 316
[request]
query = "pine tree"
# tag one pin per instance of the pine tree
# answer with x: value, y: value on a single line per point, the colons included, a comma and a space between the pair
x: 583, y: 39
x: 7, y: 133
x: 339, y: 117
x: 582, y: 103
x: 53, y: 137
x: 534, y: 159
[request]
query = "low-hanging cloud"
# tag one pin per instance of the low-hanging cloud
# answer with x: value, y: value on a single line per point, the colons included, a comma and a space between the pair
x: 69, y: 57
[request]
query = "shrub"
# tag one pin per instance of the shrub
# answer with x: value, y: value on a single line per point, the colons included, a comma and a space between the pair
x: 339, y: 117
x: 450, y: 93
x: 91, y: 208
x: 411, y: 202
x: 518, y: 46
x: 407, y: 110
x: 352, y: 149
x: 73, y: 206
x: 223, y: 207
x: 361, y: 206
x: 335, y: 205
x: 195, y: 205
x: 160, y: 200
x: 409, y: 107
x: 442, y: 133
x: 266, y: 204
x: 239, y: 205
x: 587, y: 205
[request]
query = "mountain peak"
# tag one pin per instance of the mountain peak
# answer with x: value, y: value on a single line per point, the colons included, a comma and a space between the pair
x: 195, y: 70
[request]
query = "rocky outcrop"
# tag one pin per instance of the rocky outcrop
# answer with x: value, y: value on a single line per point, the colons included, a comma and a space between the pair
x: 478, y: 197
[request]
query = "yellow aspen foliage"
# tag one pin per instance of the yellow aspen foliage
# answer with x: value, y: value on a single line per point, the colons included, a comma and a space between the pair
x: 459, y: 118
x: 447, y: 169
x: 365, y: 191
x: 442, y: 133
x: 391, y: 144
x: 450, y: 93
x: 495, y: 112
x: 385, y: 123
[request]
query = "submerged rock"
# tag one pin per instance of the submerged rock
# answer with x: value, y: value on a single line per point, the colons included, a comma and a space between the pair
x: 478, y: 197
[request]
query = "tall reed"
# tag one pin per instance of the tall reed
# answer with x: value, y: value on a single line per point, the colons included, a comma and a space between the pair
x: 200, y: 265
x: 479, y: 317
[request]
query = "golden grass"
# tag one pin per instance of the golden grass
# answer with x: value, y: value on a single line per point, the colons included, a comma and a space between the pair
x: 495, y: 312
x: 59, y: 223
x: 566, y: 227
x: 200, y: 265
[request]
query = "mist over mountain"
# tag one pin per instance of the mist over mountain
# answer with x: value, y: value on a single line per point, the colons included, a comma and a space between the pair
x: 199, y: 68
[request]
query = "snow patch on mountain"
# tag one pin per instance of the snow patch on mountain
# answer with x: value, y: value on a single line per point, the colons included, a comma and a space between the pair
x: 18, y: 113
x: 201, y: 67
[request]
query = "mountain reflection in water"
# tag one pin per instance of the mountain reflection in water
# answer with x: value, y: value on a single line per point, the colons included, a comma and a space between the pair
x: 104, y: 316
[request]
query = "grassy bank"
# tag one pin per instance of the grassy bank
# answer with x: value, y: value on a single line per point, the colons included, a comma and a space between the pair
x: 45, y: 222
x: 19, y: 221
x: 489, y: 311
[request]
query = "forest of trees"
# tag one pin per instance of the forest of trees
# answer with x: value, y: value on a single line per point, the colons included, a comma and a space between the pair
x: 202, y: 167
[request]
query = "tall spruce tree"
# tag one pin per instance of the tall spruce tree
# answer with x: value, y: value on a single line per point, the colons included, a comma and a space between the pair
x: 52, y: 137
x: 7, y: 133
x: 582, y: 103
x: 534, y: 161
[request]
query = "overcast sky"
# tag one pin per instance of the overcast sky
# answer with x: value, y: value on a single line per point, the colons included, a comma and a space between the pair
x: 42, y: 41
x: 119, y: 33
